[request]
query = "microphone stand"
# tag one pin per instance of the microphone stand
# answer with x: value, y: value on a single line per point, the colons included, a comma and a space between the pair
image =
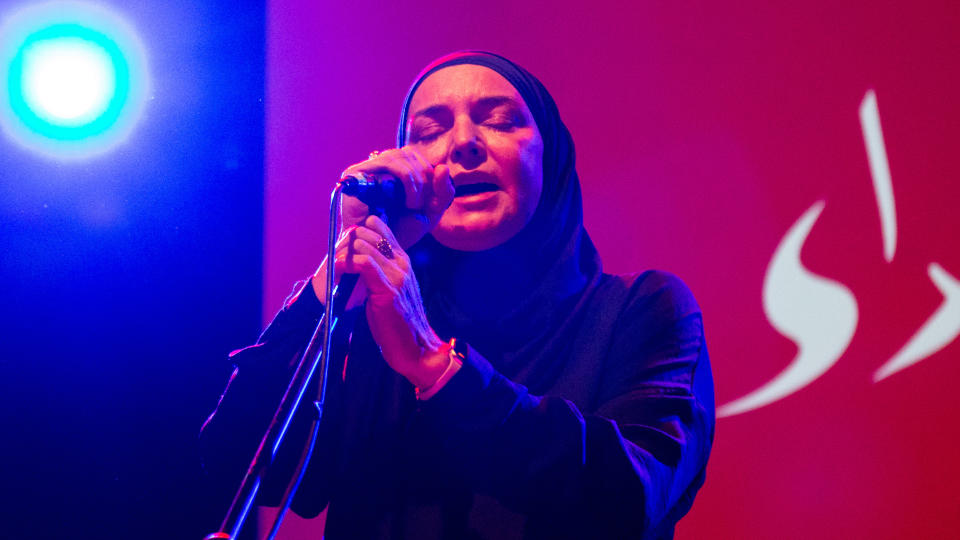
x: 317, y: 354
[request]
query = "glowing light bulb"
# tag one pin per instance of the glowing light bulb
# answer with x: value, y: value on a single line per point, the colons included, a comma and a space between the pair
x: 68, y: 81
x: 73, y: 79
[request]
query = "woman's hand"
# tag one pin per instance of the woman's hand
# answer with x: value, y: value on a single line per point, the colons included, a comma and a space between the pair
x: 394, y: 307
x: 428, y: 191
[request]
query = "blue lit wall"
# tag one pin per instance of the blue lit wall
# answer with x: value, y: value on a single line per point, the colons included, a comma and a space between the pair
x: 128, y: 277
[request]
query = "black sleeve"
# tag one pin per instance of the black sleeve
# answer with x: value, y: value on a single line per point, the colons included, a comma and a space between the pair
x: 231, y: 435
x: 629, y: 469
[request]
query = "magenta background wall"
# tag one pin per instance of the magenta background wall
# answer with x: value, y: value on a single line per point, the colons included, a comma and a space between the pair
x: 704, y: 132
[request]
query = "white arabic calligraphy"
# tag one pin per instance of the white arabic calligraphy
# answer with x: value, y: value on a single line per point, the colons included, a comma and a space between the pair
x: 817, y: 314
x: 936, y: 333
x: 820, y: 315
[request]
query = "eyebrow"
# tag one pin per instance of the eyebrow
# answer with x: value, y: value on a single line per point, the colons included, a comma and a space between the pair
x: 488, y: 102
x: 494, y: 101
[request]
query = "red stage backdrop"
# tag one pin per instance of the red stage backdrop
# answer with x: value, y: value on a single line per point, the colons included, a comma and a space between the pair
x: 794, y: 163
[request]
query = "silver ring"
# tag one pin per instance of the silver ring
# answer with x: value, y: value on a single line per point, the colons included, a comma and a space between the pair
x: 373, y: 154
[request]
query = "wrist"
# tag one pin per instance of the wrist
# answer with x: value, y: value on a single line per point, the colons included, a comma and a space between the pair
x: 319, y: 281
x: 434, y: 361
x: 454, y: 361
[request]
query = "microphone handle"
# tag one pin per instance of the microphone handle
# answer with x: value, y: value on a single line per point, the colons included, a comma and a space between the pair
x: 383, y: 194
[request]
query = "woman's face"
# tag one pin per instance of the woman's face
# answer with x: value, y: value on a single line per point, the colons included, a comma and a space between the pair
x: 474, y: 121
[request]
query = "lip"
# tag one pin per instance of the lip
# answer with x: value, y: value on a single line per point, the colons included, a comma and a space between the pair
x: 484, y: 200
x: 467, y: 178
x: 476, y: 200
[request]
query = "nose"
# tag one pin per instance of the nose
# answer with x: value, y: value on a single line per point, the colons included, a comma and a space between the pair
x: 469, y: 150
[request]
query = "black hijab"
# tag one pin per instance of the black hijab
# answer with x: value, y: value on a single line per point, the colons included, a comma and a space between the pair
x: 512, y: 302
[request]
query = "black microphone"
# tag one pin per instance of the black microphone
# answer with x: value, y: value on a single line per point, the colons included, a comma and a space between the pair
x: 383, y: 193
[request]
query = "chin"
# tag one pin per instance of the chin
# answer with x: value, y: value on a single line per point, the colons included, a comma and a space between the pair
x: 467, y: 242
x: 475, y: 234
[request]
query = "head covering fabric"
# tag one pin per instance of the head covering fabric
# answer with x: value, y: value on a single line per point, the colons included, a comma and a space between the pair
x: 560, y: 200
x: 532, y: 284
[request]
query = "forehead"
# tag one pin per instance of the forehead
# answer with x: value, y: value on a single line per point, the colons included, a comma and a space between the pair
x: 461, y: 83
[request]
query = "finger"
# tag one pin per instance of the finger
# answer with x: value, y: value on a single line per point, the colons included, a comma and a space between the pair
x: 340, y: 251
x: 394, y: 248
x: 343, y: 241
x: 420, y: 163
x: 357, y: 246
x: 424, y: 163
x: 409, y: 169
x: 371, y: 274
x: 373, y: 242
x: 359, y: 239
x: 378, y: 226
x: 417, y: 179
x: 344, y: 249
x: 352, y: 210
x: 395, y: 163
x: 367, y: 235
x: 429, y: 172
x: 376, y: 161
x: 443, y: 191
x: 346, y: 234
x: 393, y: 263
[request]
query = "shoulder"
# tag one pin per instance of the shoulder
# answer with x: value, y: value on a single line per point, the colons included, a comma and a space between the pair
x: 653, y: 294
x: 657, y: 342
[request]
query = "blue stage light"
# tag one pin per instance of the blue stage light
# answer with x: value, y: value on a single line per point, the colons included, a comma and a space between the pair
x: 73, y: 77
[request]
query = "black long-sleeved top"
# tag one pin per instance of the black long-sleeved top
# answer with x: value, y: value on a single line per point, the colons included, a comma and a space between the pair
x: 610, y: 441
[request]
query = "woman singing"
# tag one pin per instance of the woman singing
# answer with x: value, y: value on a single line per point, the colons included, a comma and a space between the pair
x: 497, y: 384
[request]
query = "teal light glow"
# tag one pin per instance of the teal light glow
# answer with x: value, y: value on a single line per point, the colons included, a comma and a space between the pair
x: 74, y: 79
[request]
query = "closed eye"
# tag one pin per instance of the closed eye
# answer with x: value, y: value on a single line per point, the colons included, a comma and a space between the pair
x: 426, y: 134
x: 499, y: 112
x: 501, y: 123
x: 430, y: 123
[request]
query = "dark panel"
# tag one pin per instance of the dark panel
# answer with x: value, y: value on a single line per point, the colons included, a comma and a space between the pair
x: 127, y: 279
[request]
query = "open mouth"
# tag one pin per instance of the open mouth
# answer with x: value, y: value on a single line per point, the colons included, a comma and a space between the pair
x: 473, y: 189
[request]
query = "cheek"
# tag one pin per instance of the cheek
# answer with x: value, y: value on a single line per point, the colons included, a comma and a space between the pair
x: 531, y: 174
x: 433, y: 151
